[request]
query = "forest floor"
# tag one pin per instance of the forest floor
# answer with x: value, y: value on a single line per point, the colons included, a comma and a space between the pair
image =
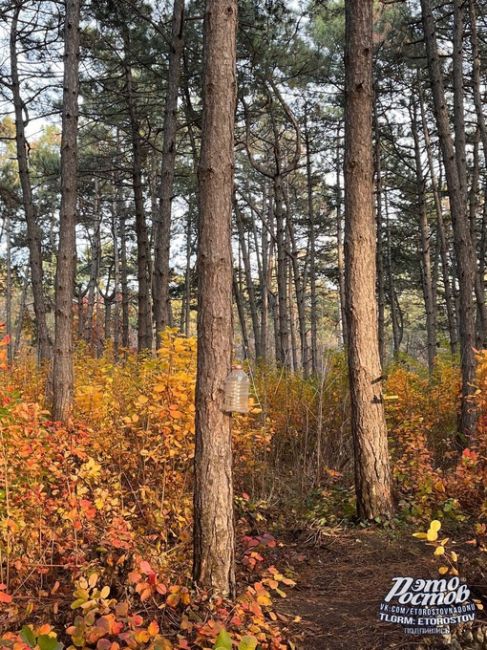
x: 343, y: 578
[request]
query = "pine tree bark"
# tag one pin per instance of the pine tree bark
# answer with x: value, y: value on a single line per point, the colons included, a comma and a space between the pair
x: 162, y: 235
x: 372, y: 472
x: 63, y: 374
x: 214, y: 534
x: 33, y: 231
x: 464, y: 254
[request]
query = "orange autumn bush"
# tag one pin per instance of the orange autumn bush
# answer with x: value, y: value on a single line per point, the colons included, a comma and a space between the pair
x: 95, y: 517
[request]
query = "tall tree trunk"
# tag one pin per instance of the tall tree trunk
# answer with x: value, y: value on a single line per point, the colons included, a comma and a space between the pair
x: 214, y: 533
x: 391, y: 289
x: 425, y: 241
x: 162, y: 235
x: 8, y: 292
x: 381, y: 298
x: 186, y: 307
x: 477, y: 96
x: 20, y: 319
x: 33, y: 231
x: 461, y: 232
x: 124, y: 283
x: 237, y: 292
x: 284, y: 351
x: 63, y: 376
x: 312, y: 249
x: 442, y: 237
x: 94, y: 267
x: 144, y: 315
x: 116, y: 289
x: 300, y: 294
x: 372, y: 472
x: 340, y: 252
x: 248, y: 279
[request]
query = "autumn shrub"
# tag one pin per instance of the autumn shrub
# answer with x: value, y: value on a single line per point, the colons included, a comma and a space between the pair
x: 95, y: 516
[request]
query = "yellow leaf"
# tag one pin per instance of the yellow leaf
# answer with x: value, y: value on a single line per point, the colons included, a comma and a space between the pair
x: 105, y: 592
x: 93, y: 579
x: 440, y: 550
x: 420, y: 535
x: 435, y: 525
x: 442, y: 570
x: 454, y: 556
x: 431, y: 535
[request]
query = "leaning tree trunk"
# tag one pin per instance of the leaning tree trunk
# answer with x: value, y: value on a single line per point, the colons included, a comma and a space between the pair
x: 464, y: 253
x: 63, y: 376
x: 214, y: 533
x: 372, y: 472
x: 162, y: 235
x: 33, y: 231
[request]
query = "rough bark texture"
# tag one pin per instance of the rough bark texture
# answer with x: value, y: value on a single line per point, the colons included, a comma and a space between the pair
x: 372, y: 472
x: 33, y: 233
x: 66, y: 263
x: 461, y: 231
x: 162, y: 235
x: 213, y: 498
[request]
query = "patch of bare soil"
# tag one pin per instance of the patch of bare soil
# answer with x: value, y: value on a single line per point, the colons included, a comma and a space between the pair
x: 341, y: 583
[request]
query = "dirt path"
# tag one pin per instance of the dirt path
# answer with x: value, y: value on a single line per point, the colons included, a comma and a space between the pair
x: 342, y: 582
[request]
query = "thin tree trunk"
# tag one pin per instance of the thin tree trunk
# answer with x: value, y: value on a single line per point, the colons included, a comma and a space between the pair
x: 116, y: 290
x: 33, y: 231
x: 340, y: 252
x: 241, y: 315
x: 312, y: 250
x: 461, y: 231
x: 284, y: 351
x: 381, y: 298
x: 94, y: 267
x: 20, y: 319
x: 442, y: 238
x: 372, y: 472
x: 214, y: 532
x: 144, y: 316
x: 63, y: 374
x: 8, y: 292
x: 124, y: 280
x: 248, y: 279
x: 162, y: 235
x: 389, y: 272
x: 477, y: 96
x: 425, y: 240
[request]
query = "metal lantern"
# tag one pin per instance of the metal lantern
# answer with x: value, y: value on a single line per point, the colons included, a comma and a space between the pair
x: 236, y: 391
